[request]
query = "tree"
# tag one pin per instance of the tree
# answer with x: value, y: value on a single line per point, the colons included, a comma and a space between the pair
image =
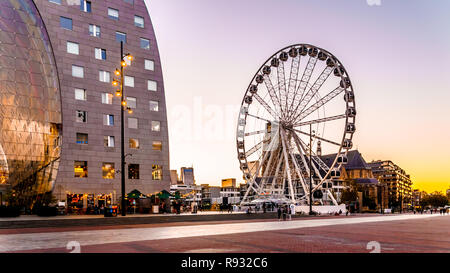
x: 435, y: 199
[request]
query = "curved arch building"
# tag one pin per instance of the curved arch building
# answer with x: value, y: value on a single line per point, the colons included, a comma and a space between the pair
x: 60, y: 120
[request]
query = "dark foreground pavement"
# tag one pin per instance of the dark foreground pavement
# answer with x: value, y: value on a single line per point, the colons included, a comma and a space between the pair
x: 413, y: 235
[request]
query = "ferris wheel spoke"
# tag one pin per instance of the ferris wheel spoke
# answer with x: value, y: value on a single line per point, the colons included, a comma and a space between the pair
x: 314, y: 158
x: 282, y: 88
x: 260, y: 118
x: 254, y: 148
x: 292, y: 91
x: 266, y: 106
x: 317, y: 137
x: 272, y: 94
x: 255, y: 133
x: 303, y: 84
x: 286, y: 160
x: 312, y: 91
x: 319, y: 120
x: 318, y: 104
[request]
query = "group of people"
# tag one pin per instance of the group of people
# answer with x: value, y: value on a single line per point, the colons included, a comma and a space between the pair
x: 284, y: 212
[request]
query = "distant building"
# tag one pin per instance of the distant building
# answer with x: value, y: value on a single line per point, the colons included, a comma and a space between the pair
x: 187, y: 176
x: 358, y: 171
x: 189, y: 193
x: 417, y: 196
x: 210, y: 194
x: 174, y: 177
x: 229, y: 182
x: 397, y: 181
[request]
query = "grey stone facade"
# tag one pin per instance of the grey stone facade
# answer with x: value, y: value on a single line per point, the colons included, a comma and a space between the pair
x: 95, y: 152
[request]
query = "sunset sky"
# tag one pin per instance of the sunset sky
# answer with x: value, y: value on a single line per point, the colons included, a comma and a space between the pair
x: 397, y: 55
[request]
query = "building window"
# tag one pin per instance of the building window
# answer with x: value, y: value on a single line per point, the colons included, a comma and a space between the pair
x: 108, y: 171
x: 108, y: 120
x: 77, y: 71
x: 85, y: 6
x: 129, y: 2
x: 134, y: 143
x: 139, y: 21
x: 80, y: 94
x: 131, y: 102
x: 132, y: 123
x: 152, y: 85
x: 156, y: 126
x: 80, y: 169
x: 121, y: 37
x: 104, y: 76
x: 94, y: 30
x: 145, y: 44
x: 55, y: 1
x: 108, y: 141
x: 113, y: 14
x: 100, y: 54
x: 107, y: 98
x: 82, y: 138
x: 154, y: 106
x: 133, y: 171
x: 81, y: 116
x: 156, y: 172
x: 149, y: 65
x: 157, y: 145
x: 65, y: 22
x: 129, y: 81
x: 73, y: 48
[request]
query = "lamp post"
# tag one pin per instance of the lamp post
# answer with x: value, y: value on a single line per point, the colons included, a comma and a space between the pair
x: 310, y: 170
x: 123, y: 105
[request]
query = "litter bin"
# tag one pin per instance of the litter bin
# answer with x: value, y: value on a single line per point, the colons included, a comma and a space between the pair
x: 111, y: 211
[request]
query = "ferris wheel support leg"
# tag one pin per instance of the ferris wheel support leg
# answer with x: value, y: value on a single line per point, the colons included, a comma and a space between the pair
x: 332, y: 198
x: 286, y: 159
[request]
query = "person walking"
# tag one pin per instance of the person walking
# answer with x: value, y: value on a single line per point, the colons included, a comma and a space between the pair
x: 279, y: 213
x: 284, y: 213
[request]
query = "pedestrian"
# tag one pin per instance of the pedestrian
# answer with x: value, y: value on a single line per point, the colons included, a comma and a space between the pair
x: 279, y: 213
x: 284, y: 213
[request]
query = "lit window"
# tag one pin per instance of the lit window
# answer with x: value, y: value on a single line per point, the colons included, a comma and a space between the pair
x: 156, y: 172
x: 108, y: 141
x: 107, y: 98
x: 157, y: 145
x: 100, y: 54
x: 73, y: 48
x: 131, y: 102
x: 82, y: 138
x: 94, y: 30
x: 85, y: 6
x: 149, y: 65
x: 145, y: 44
x: 134, y: 143
x: 80, y: 94
x: 129, y: 81
x: 154, y: 106
x: 104, y: 76
x: 133, y: 171
x: 81, y: 116
x: 80, y: 169
x: 152, y: 85
x: 108, y: 171
x: 65, y: 22
x: 108, y: 120
x: 77, y: 71
x: 156, y: 126
x: 138, y: 21
x: 121, y: 37
x: 132, y: 123
x: 113, y: 14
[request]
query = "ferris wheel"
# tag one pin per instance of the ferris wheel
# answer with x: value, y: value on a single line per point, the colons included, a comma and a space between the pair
x: 299, y: 106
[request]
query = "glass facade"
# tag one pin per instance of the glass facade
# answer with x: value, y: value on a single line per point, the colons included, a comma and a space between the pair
x: 30, y: 102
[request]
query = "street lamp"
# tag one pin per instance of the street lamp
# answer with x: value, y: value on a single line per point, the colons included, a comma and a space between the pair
x: 123, y: 106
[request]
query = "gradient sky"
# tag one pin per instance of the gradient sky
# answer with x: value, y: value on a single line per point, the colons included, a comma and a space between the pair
x: 397, y: 55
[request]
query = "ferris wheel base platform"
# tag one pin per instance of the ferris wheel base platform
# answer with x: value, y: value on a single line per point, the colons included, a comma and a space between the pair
x: 321, y: 209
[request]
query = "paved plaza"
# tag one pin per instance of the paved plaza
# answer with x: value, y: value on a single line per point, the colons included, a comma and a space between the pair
x: 393, y: 233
